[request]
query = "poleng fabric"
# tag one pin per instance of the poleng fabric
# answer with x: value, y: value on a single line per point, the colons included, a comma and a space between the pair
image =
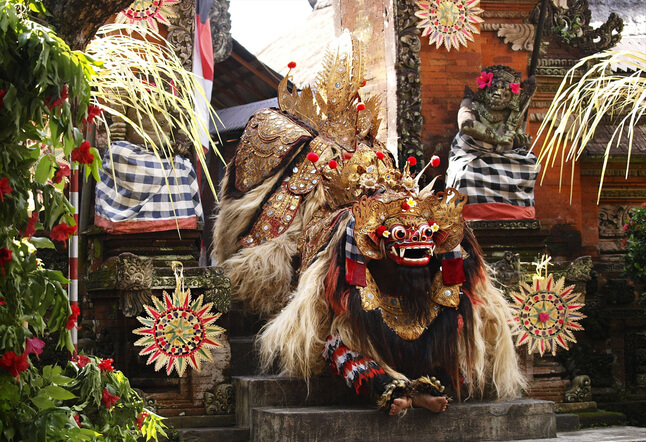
x: 138, y: 198
x: 485, y: 176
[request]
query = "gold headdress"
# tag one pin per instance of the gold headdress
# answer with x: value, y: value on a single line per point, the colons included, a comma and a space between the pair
x: 331, y: 107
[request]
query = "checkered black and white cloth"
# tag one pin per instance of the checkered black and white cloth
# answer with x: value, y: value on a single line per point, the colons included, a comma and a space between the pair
x: 488, y: 177
x: 140, y: 192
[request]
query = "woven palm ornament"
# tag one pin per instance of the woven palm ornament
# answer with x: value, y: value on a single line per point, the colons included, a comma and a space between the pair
x: 449, y: 22
x: 179, y: 331
x: 147, y: 13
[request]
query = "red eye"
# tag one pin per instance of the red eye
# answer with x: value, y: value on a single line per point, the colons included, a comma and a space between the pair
x: 398, y: 232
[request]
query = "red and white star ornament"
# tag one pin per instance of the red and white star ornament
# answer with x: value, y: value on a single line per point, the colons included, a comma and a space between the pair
x: 147, y: 13
x: 179, y: 332
x: 449, y: 22
x: 545, y: 314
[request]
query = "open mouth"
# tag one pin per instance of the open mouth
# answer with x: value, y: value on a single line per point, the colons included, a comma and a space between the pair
x: 411, y: 254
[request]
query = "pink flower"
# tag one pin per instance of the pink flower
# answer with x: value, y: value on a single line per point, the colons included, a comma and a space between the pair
x: 515, y: 87
x: 62, y: 171
x: 543, y: 317
x: 484, y: 79
x: 71, y: 320
x: 5, y: 257
x: 106, y: 364
x: 5, y: 188
x: 35, y: 346
x: 626, y: 227
x: 108, y: 399
x: 13, y: 363
x: 82, y: 153
x: 81, y: 360
x: 58, y: 101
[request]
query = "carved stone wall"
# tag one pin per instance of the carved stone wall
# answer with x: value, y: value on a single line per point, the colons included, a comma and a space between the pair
x: 409, y: 87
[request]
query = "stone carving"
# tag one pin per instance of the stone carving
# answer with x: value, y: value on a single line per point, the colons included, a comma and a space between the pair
x: 580, y: 269
x: 181, y: 31
x: 149, y: 401
x: 517, y: 224
x: 519, y: 35
x: 409, y: 85
x: 580, y: 390
x: 221, y: 30
x: 612, y: 220
x: 489, y: 159
x: 220, y: 401
x: 507, y: 270
x: 572, y: 26
x: 134, y: 277
x: 217, y: 289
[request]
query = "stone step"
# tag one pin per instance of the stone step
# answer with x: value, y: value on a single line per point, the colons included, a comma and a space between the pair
x: 244, y: 356
x: 601, y: 418
x: 567, y: 422
x: 280, y: 391
x: 230, y: 434
x: 201, y: 421
x: 472, y: 421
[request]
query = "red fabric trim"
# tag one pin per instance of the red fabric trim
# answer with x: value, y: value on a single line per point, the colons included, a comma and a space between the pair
x: 453, y: 271
x: 355, y: 273
x: 144, y: 226
x: 495, y: 211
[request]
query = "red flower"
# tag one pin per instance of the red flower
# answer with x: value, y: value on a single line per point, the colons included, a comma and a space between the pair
x: 313, y: 157
x: 291, y: 64
x: 380, y: 155
x: 34, y: 345
x: 13, y: 363
x: 3, y: 92
x: 77, y: 419
x: 2, y: 302
x: 332, y: 164
x: 71, y: 320
x: 405, y: 206
x: 106, y: 364
x: 108, y: 399
x: 62, y: 171
x: 5, y: 188
x: 484, y: 79
x: 381, y: 230
x: 435, y: 161
x: 515, y: 87
x: 58, y: 101
x: 81, y: 360
x: 31, y: 225
x: 5, y: 257
x: 543, y: 317
x: 62, y: 232
x: 141, y: 418
x: 82, y: 153
x: 412, y: 161
x: 92, y: 112
x: 361, y: 106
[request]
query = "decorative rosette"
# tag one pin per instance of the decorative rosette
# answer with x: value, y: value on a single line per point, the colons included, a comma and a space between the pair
x: 147, y: 13
x: 449, y: 22
x: 545, y: 314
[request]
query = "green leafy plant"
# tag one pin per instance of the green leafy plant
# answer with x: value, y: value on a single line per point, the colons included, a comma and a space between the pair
x: 635, y: 261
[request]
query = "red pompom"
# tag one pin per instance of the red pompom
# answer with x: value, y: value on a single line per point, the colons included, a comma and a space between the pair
x: 405, y: 206
x: 412, y: 161
x: 361, y: 106
x: 332, y: 164
x: 380, y: 155
x: 291, y: 64
x: 381, y: 230
x: 313, y: 157
x: 435, y: 161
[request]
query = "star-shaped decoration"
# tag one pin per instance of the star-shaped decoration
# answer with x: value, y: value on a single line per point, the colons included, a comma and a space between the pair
x: 147, y: 13
x: 545, y: 314
x: 449, y: 22
x: 179, y: 332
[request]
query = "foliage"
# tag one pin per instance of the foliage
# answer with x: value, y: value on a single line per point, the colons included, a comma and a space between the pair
x: 66, y: 404
x: 580, y: 106
x: 636, y: 246
x: 44, y: 98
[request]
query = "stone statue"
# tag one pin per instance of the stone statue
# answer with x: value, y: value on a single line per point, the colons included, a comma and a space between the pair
x: 489, y: 159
